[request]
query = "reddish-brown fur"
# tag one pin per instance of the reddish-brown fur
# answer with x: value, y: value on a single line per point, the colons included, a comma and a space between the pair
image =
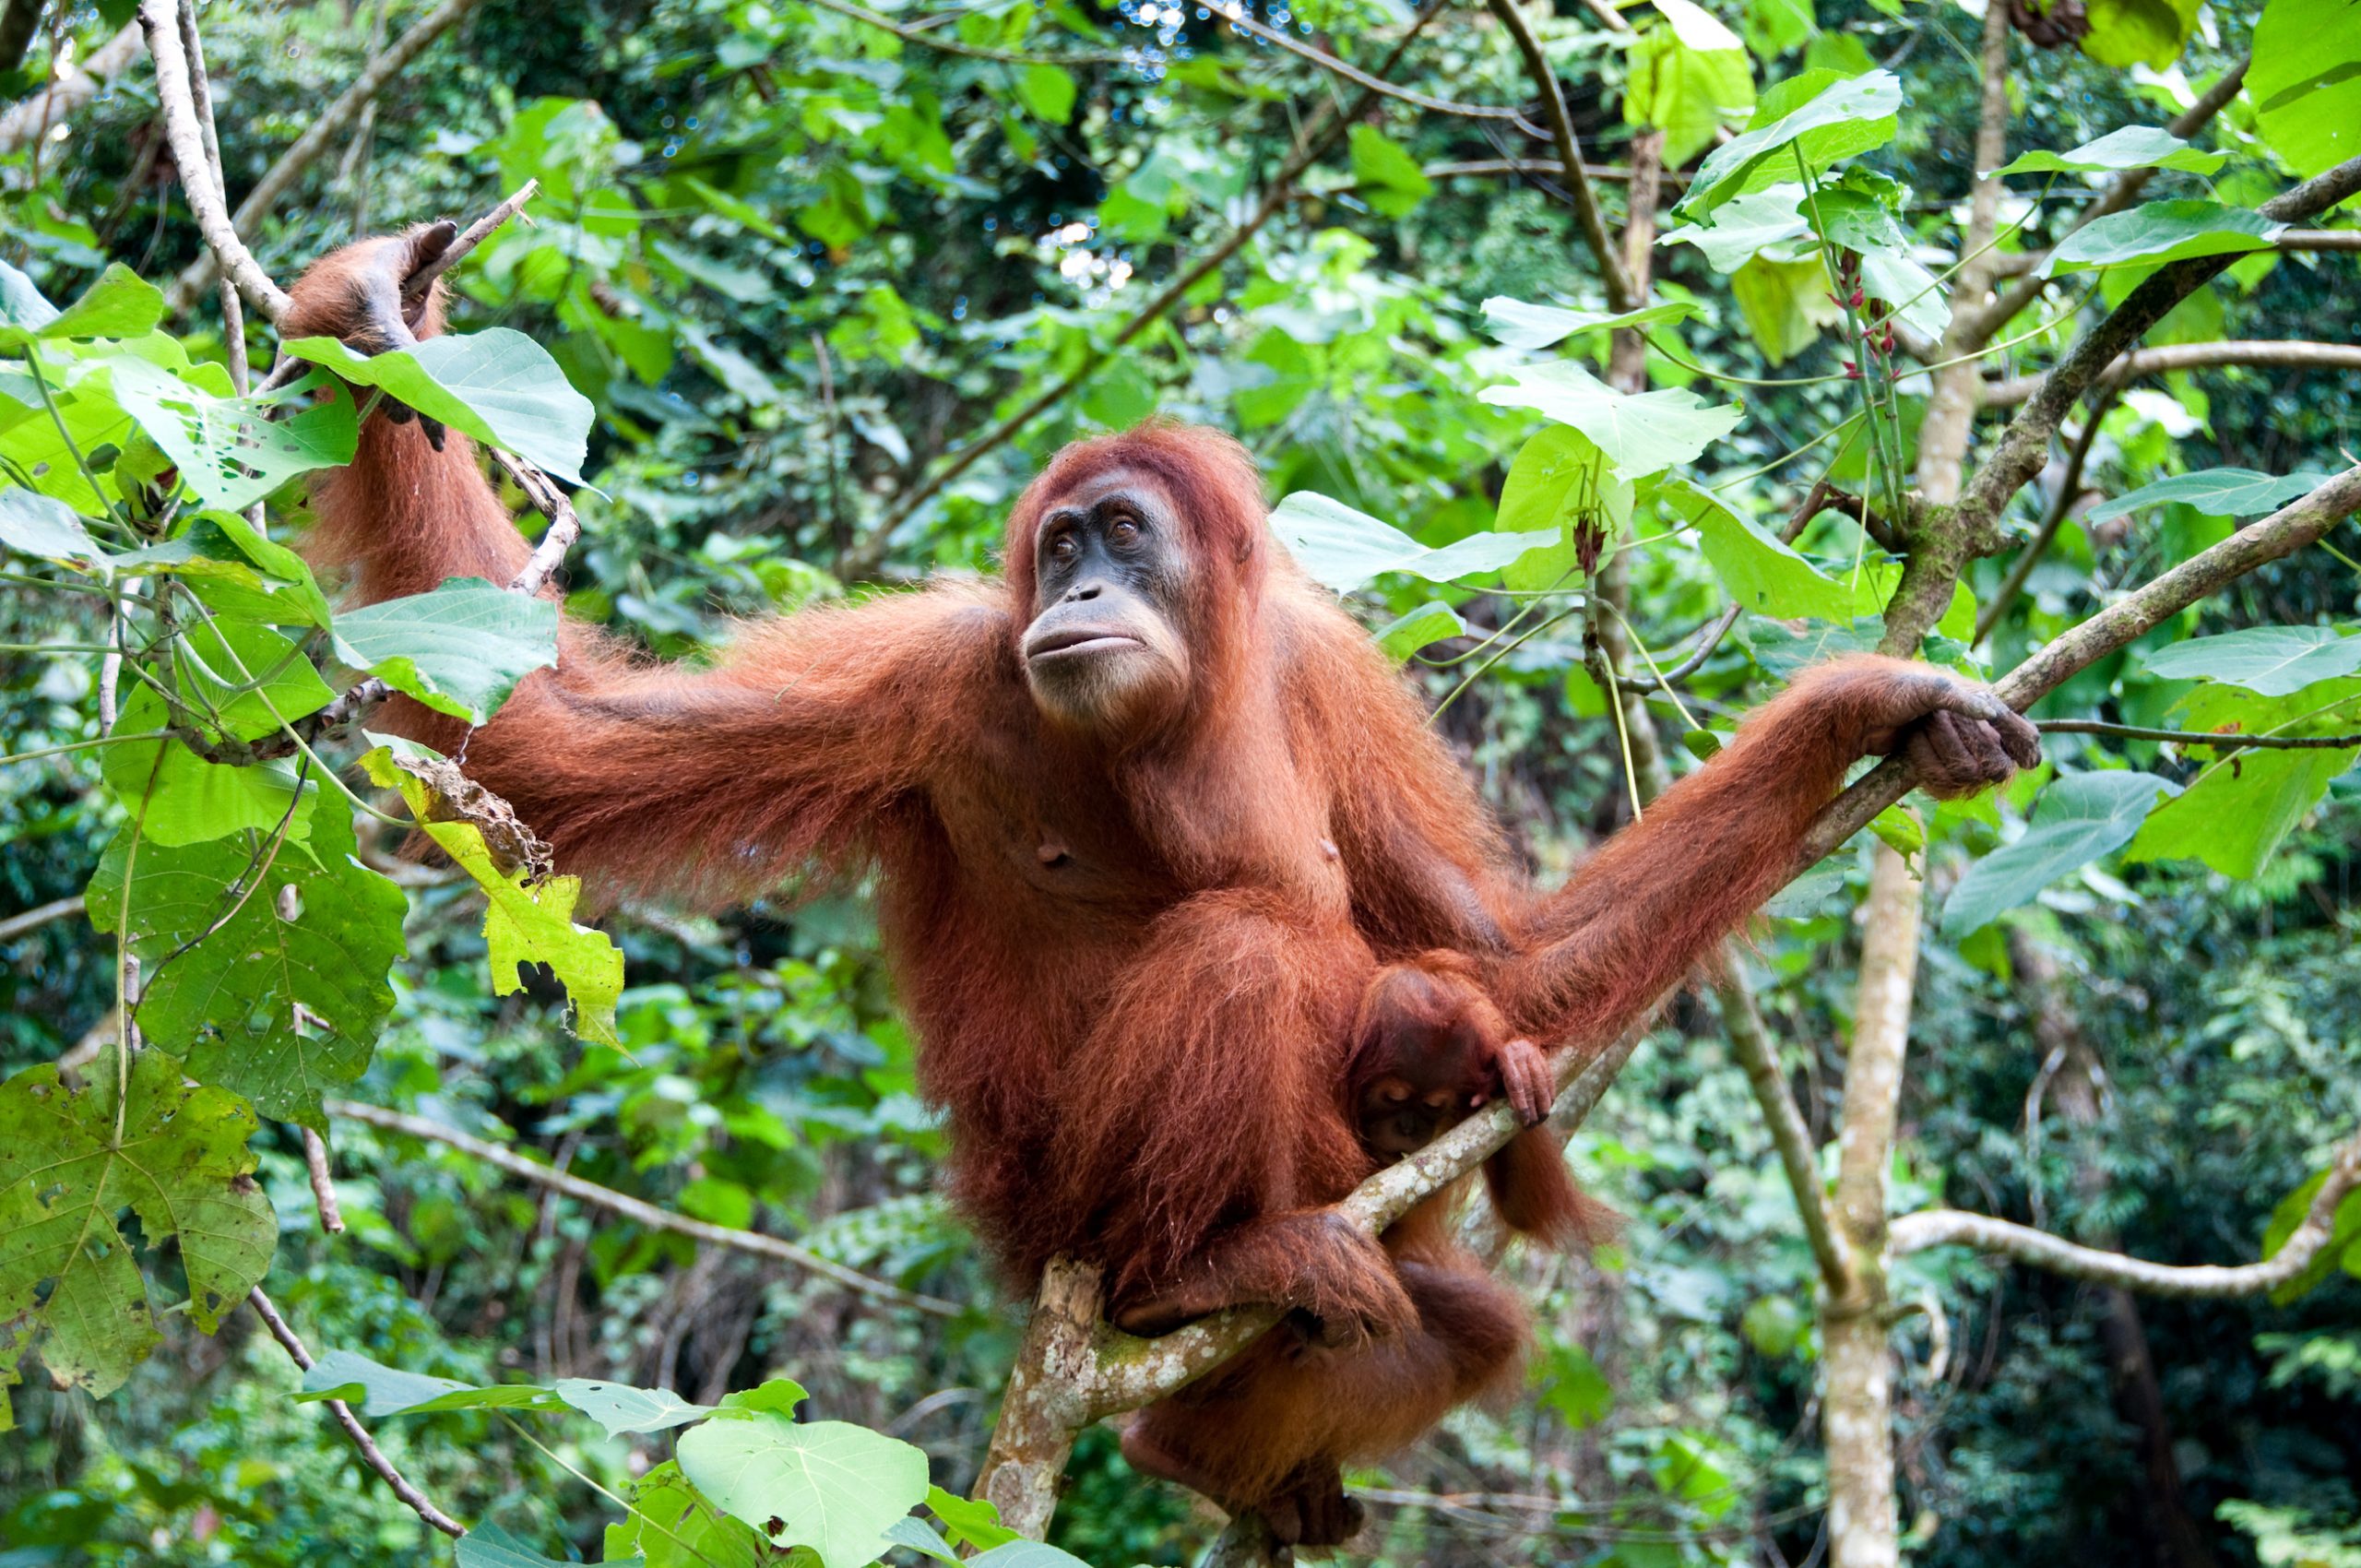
x: 1133, y: 966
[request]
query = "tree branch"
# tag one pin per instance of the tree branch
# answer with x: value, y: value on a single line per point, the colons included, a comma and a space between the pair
x: 1798, y: 1155
x: 2069, y: 485
x: 316, y: 139
x: 2293, y: 525
x: 2318, y: 240
x: 371, y: 1455
x: 2195, y: 737
x: 1620, y: 294
x: 40, y: 915
x: 2022, y: 1243
x: 185, y: 136
x: 2271, y: 353
x: 639, y: 1211
x: 2119, y: 193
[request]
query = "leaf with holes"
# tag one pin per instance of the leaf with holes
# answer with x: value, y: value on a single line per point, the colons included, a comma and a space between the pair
x: 265, y: 966
x: 460, y: 648
x: 229, y: 450
x: 69, y: 1283
x: 497, y: 385
x: 828, y: 1485
x: 528, y: 923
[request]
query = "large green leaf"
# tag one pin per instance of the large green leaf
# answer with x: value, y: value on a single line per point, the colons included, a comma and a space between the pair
x: 2162, y: 232
x: 1558, y: 482
x: 1532, y: 328
x: 497, y: 385
x: 828, y: 1485
x: 460, y: 648
x: 1642, y: 432
x: 1759, y: 571
x: 377, y: 1390
x: 2305, y: 81
x: 266, y: 970
x: 620, y: 1407
x: 1842, y: 116
x: 69, y: 1280
x: 2271, y: 661
x: 1689, y: 78
x: 1768, y: 221
x: 118, y: 305
x: 2138, y: 32
x: 2217, y: 493
x: 1384, y: 176
x: 2128, y: 146
x: 229, y: 450
x: 672, y: 1526
x: 2236, y: 813
x: 2081, y: 816
x: 180, y: 797
x: 489, y: 1546
x: 1345, y: 549
x: 43, y: 526
x: 527, y: 921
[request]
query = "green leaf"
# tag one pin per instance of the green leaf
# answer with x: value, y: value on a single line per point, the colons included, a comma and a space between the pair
x: 460, y: 648
x: 1532, y: 327
x: 2236, y: 813
x: 2162, y: 232
x: 1785, y: 303
x: 69, y: 1280
x: 1574, y: 1386
x: 620, y: 1407
x: 1901, y: 832
x: 375, y: 1390
x: 1429, y: 624
x: 2081, y: 816
x: 1385, y: 176
x: 2217, y: 493
x: 23, y: 311
x: 525, y: 923
x: 489, y: 1546
x: 1558, y: 482
x: 497, y: 385
x: 779, y: 1396
x: 674, y: 1527
x: 971, y: 1521
x: 1028, y: 1554
x: 246, y: 680
x: 1841, y: 117
x: 2128, y: 146
x: 1773, y: 1325
x: 923, y: 1538
x: 188, y: 799
x: 2271, y: 661
x: 118, y: 305
x: 2306, y: 82
x: 1642, y: 432
x: 1759, y: 571
x: 1691, y: 78
x: 1345, y: 549
x: 1047, y: 91
x: 272, y: 983
x: 44, y: 526
x: 2138, y: 32
x: 1760, y: 222
x: 228, y: 449
x: 828, y: 1485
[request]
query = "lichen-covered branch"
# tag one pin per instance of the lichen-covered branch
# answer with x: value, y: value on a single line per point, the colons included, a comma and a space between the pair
x: 184, y: 134
x: 2039, y: 1249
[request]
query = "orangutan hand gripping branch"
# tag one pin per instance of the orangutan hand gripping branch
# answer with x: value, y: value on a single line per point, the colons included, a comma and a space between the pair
x: 1198, y: 923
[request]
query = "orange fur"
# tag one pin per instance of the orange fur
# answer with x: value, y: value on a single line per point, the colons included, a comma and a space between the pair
x: 1139, y: 1038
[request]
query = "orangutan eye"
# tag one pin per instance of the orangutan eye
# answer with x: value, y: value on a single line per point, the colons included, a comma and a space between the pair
x: 1125, y: 533
x: 1063, y: 548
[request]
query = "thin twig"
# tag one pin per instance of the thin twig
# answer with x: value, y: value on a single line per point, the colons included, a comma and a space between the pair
x: 1620, y: 295
x: 161, y: 21
x: 2038, y: 1249
x: 647, y: 1214
x: 2069, y: 485
x: 371, y: 1455
x: 316, y: 1161
x: 40, y: 915
x: 414, y: 286
x: 2197, y: 737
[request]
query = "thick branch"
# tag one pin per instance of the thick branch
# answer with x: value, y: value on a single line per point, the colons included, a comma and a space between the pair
x: 40, y: 915
x: 2120, y: 192
x: 2267, y: 352
x: 2283, y: 532
x: 2022, y: 1243
x: 634, y: 1210
x: 371, y: 1455
x: 184, y: 134
x: 1620, y: 294
x: 2024, y: 444
x: 316, y: 138
x: 2319, y: 240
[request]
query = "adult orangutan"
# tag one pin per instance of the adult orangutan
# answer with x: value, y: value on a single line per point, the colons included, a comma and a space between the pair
x: 1149, y: 814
